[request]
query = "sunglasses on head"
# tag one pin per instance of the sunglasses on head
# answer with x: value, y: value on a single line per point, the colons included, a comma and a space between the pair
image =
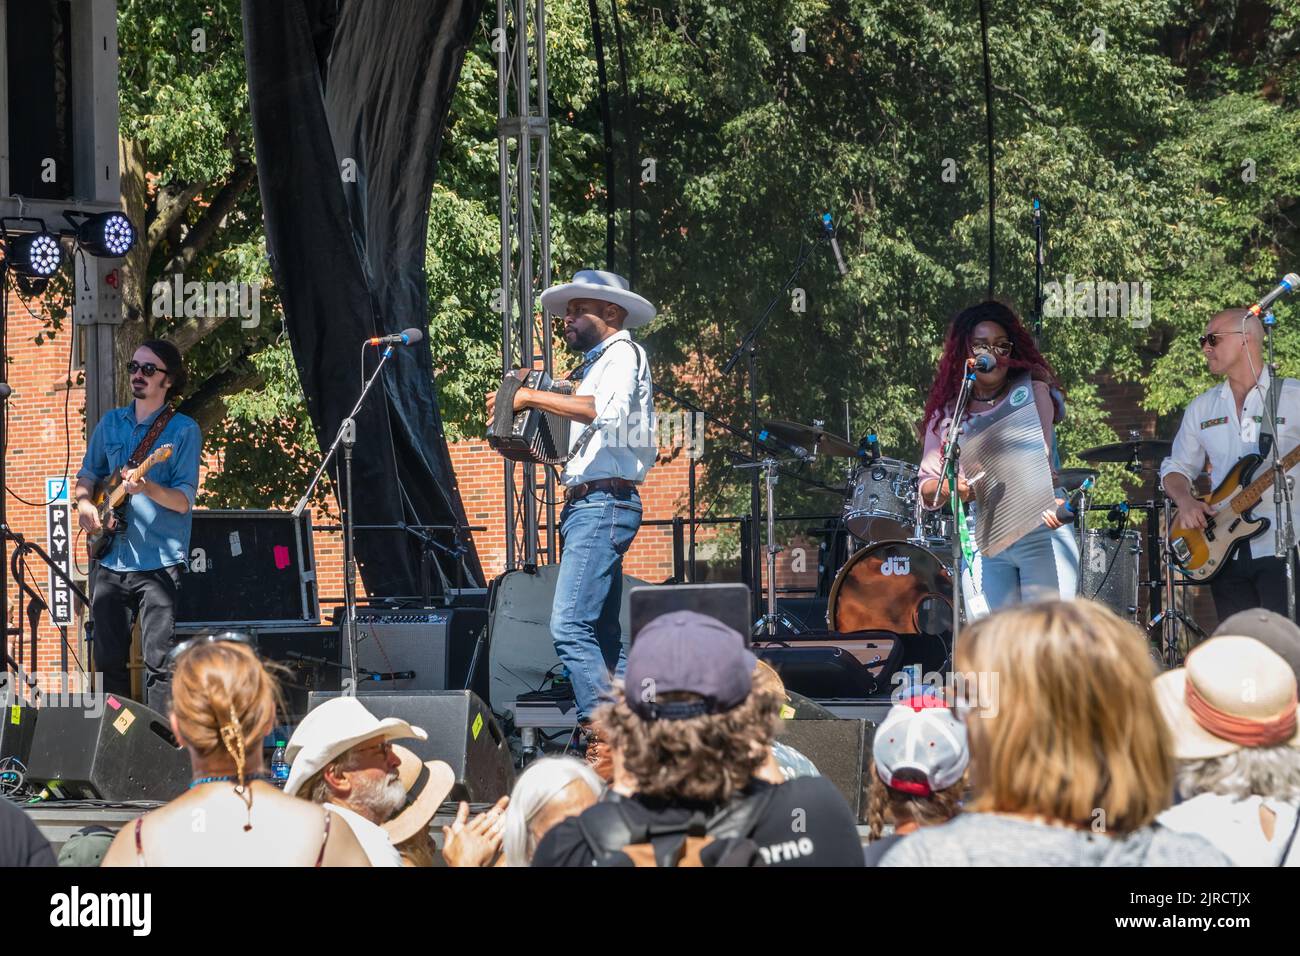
x: 224, y: 637
x: 148, y: 368
x: 1213, y: 338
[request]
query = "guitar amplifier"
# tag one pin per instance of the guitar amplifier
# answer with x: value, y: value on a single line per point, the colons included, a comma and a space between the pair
x: 250, y: 569
x: 432, y: 648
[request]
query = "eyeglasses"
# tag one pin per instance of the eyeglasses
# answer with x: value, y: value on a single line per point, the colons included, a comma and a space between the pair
x: 224, y: 637
x: 148, y: 368
x: 385, y: 750
x: 984, y: 348
x: 1213, y: 338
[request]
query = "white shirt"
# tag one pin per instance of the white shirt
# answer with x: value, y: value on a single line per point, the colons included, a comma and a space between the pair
x: 1212, y: 429
x: 372, y: 837
x: 1233, y: 827
x: 622, y: 444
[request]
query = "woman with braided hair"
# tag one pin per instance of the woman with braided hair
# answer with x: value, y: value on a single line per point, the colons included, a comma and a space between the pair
x: 1044, y: 563
x: 223, y: 703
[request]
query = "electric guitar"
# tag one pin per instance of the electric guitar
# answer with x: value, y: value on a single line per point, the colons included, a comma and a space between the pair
x: 109, y: 498
x: 1201, y: 552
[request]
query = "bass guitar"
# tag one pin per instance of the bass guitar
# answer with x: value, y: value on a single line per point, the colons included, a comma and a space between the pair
x: 1200, y: 553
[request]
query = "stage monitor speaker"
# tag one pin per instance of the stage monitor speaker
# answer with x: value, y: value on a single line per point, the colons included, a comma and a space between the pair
x: 248, y: 569
x: 114, y: 749
x: 462, y: 732
x: 17, y: 725
x: 434, y: 646
x: 840, y: 751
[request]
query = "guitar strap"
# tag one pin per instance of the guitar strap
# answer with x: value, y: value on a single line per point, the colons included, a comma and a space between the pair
x: 142, y: 450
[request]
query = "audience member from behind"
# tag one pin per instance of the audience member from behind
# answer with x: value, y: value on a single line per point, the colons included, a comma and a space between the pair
x: 223, y: 704
x: 1232, y: 714
x: 691, y: 736
x: 918, y: 768
x: 1070, y: 759
x: 550, y: 790
x: 783, y: 761
x: 342, y: 755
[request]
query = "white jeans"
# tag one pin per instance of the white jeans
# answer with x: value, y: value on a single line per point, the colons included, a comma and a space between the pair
x: 1041, y: 566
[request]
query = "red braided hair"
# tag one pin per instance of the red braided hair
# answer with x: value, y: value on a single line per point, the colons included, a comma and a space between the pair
x: 956, y: 349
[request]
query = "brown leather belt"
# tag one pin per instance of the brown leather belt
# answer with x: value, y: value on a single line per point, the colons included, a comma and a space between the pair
x: 578, y: 492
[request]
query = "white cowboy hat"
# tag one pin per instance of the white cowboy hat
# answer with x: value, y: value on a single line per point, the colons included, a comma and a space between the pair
x: 332, y: 729
x: 1236, y: 677
x: 605, y: 286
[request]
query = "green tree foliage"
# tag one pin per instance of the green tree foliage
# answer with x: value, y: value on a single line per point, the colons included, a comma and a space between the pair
x: 1134, y: 120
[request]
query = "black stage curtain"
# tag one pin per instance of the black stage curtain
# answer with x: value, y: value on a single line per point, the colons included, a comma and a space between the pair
x: 349, y: 101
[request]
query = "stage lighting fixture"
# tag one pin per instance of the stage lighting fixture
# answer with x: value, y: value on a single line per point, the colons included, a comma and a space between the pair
x: 107, y: 235
x: 35, y: 254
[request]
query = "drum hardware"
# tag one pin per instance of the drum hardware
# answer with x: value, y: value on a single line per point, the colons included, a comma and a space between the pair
x: 807, y: 441
x: 882, y: 500
x: 768, y: 622
x: 1072, y: 478
x: 1109, y: 560
x: 1136, y: 453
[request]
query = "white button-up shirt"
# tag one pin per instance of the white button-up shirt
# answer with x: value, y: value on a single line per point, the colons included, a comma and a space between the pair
x: 1212, y: 429
x: 622, y: 444
x: 372, y: 837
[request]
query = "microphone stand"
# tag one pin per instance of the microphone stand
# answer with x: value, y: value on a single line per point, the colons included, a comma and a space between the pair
x: 346, y: 437
x: 748, y: 348
x: 1284, y: 540
x: 949, y: 470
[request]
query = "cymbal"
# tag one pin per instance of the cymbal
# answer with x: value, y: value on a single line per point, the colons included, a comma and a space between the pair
x: 1144, y: 449
x: 1073, y: 478
x: 809, y: 437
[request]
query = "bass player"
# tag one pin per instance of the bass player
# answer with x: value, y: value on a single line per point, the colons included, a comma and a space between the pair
x: 1224, y: 424
x: 139, y: 575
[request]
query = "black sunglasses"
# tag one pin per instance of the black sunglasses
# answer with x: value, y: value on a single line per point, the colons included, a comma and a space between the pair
x: 148, y: 368
x: 1213, y: 338
x: 226, y: 637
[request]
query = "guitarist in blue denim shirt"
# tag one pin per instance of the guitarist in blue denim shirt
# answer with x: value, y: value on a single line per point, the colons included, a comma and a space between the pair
x: 138, y: 576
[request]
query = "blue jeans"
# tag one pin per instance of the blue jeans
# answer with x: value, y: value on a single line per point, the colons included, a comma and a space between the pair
x: 596, y: 532
x: 1041, y: 566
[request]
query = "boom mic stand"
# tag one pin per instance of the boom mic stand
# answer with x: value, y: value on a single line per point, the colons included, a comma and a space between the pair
x: 748, y: 349
x: 948, y: 470
x: 346, y: 437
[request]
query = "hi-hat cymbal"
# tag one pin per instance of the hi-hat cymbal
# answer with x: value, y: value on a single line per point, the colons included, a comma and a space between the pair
x: 1143, y: 449
x: 1073, y: 478
x: 810, y: 438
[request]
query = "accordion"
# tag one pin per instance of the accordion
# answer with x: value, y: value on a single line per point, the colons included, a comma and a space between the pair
x: 530, y: 434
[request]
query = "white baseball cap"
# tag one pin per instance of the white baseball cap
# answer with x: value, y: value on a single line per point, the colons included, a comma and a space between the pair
x: 922, y: 736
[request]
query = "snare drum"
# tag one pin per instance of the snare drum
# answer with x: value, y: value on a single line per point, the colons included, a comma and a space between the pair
x: 1108, y: 569
x: 882, y: 501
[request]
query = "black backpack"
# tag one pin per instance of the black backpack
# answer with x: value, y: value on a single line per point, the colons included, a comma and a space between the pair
x: 723, y: 838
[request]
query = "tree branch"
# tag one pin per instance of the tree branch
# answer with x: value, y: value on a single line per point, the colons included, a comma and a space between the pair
x: 207, y: 403
x: 210, y: 220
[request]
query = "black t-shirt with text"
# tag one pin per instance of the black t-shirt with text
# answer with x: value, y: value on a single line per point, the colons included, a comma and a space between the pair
x: 806, y: 823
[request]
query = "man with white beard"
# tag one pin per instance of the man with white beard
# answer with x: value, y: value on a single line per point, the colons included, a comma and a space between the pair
x: 342, y: 757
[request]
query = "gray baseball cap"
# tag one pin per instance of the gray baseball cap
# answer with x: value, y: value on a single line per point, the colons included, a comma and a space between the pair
x: 1271, y: 629
x: 688, y: 653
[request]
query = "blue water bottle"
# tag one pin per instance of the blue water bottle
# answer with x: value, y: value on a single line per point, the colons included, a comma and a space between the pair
x: 279, y: 766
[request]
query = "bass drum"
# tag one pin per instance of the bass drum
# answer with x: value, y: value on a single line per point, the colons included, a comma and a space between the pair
x: 899, y: 587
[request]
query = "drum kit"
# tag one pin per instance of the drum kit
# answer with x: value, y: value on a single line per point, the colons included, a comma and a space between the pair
x: 898, y: 573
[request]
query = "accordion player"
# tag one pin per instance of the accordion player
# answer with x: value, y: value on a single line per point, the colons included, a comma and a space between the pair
x: 530, y: 434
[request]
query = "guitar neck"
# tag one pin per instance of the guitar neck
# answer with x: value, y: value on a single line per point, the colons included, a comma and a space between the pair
x: 1250, y: 495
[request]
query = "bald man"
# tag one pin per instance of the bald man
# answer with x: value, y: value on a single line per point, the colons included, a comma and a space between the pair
x: 1222, y: 425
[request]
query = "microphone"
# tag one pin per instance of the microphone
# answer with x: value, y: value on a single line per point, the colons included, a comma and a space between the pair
x: 409, y: 337
x: 1288, y: 283
x: 829, y: 228
x: 1118, y: 513
x: 869, y: 448
x: 982, y: 363
x: 1065, y: 512
x: 768, y: 438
